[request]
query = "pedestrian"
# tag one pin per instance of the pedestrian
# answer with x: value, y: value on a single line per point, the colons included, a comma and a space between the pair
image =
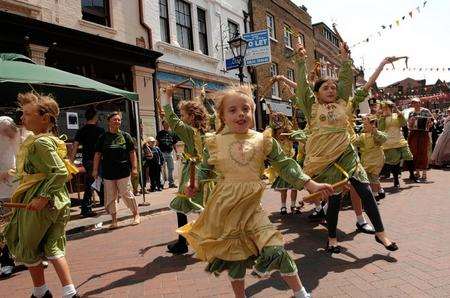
x: 234, y: 232
x: 441, y: 153
x: 155, y: 161
x: 9, y: 144
x: 420, y: 122
x: 190, y: 129
x: 330, y: 155
x: 395, y: 148
x: 166, y: 142
x: 87, y: 137
x: 116, y: 152
x: 38, y: 231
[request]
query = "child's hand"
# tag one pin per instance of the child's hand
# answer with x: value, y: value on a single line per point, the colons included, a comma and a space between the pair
x: 325, y: 189
x: 300, y: 51
x: 191, y: 191
x: 37, y: 204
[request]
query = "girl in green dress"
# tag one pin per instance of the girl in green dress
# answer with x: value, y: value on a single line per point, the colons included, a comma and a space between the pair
x: 38, y: 232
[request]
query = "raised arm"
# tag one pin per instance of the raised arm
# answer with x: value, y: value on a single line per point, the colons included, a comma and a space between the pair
x: 379, y: 69
x: 305, y: 97
x: 345, y: 76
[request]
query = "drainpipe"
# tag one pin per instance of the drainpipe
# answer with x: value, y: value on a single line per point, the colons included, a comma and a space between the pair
x: 143, y: 24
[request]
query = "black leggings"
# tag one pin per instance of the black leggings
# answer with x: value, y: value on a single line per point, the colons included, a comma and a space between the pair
x: 369, y: 204
x: 182, y: 220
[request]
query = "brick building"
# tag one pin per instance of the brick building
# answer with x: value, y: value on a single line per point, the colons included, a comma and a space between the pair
x: 286, y: 23
x: 107, y: 41
x: 326, y: 49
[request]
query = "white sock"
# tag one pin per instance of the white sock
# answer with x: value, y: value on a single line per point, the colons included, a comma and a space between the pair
x: 375, y: 193
x: 69, y: 291
x: 40, y: 291
x: 283, y: 205
x: 325, y: 208
x: 302, y: 293
x: 360, y: 219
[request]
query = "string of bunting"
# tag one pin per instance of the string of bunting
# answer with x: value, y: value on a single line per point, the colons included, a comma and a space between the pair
x: 396, y: 23
x: 414, y: 69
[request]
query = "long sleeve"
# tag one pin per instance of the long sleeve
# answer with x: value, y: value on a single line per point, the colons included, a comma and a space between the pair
x: 379, y: 137
x: 345, y: 81
x: 286, y: 167
x: 183, y: 131
x: 46, y: 160
x: 305, y: 97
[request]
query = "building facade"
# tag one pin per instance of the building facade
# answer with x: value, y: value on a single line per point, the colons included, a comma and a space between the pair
x: 193, y: 36
x: 326, y: 50
x: 287, y: 23
x: 107, y: 41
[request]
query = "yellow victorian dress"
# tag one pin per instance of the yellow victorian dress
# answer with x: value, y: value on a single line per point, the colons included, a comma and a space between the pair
x: 233, y: 232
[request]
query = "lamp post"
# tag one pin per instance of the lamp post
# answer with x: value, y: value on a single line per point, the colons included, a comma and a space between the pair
x: 238, y: 46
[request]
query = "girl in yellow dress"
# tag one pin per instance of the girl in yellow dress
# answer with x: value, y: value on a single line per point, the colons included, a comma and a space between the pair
x: 233, y: 232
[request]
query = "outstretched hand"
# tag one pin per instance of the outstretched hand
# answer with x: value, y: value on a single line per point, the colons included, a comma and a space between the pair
x: 300, y: 51
x: 344, y: 51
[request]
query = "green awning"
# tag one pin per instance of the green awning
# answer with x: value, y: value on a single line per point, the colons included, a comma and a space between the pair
x: 18, y: 76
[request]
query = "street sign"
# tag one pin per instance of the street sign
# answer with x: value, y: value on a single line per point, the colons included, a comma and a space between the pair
x: 258, y: 50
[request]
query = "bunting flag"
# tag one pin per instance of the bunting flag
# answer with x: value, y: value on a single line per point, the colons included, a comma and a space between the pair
x: 415, y: 69
x: 397, y: 22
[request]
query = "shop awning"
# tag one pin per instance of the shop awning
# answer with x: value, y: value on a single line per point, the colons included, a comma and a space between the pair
x: 19, y: 74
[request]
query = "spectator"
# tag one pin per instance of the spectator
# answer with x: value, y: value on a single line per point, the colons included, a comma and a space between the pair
x: 166, y: 142
x: 117, y: 153
x: 154, y: 164
x: 87, y: 137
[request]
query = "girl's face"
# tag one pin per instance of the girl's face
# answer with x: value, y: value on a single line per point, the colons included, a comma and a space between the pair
x: 327, y: 92
x: 33, y: 120
x: 114, y: 122
x: 238, y: 114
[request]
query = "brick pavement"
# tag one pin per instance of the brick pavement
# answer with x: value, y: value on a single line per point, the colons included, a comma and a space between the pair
x: 132, y: 261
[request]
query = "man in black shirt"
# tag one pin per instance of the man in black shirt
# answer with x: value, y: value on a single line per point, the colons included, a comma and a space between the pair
x: 166, y: 141
x: 87, y: 137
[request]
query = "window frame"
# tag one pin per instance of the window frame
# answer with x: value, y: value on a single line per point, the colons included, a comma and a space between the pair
x: 234, y: 24
x: 184, y: 15
x: 95, y: 13
x: 202, y: 35
x: 272, y: 31
x: 273, y: 71
x: 287, y: 36
x: 165, y: 20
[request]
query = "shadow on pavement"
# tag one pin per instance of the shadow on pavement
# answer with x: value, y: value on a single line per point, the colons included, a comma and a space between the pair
x: 315, y: 263
x: 158, y: 266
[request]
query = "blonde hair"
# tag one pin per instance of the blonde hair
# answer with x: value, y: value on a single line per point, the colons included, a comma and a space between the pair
x: 245, y: 91
x: 46, y: 104
x: 196, y: 109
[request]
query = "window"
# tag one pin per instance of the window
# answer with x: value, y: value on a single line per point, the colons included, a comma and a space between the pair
x: 202, y: 35
x: 180, y: 94
x: 290, y: 76
x: 287, y: 36
x: 184, y: 24
x: 233, y: 29
x: 164, y: 20
x: 301, y: 39
x: 96, y: 11
x: 271, y: 25
x: 274, y: 72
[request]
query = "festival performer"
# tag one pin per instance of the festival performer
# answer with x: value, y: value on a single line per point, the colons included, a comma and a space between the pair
x: 396, y: 147
x: 441, y: 152
x: 372, y: 156
x: 420, y: 122
x: 38, y: 231
x: 9, y: 144
x: 190, y: 129
x: 234, y: 232
x: 330, y: 155
x: 283, y: 133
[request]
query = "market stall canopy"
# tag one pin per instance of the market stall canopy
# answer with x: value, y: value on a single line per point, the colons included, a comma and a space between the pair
x: 19, y: 74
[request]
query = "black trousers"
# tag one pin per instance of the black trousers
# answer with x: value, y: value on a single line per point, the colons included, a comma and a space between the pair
x: 86, y: 203
x: 6, y: 258
x: 155, y: 176
x: 182, y: 220
x: 369, y: 204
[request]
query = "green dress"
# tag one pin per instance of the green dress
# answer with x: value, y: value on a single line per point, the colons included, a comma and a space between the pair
x: 34, y: 235
x: 396, y: 147
x: 330, y: 155
x: 193, y: 150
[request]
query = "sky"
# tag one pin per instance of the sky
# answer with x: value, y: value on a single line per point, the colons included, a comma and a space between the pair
x: 425, y: 37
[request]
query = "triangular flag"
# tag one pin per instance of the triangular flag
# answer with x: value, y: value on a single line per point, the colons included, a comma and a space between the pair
x: 397, y: 22
x: 448, y: 69
x: 420, y: 69
x: 367, y: 39
x: 424, y: 3
x: 383, y: 26
x: 418, y: 9
x: 379, y: 33
x: 410, y: 13
x: 390, y: 26
x: 403, y: 17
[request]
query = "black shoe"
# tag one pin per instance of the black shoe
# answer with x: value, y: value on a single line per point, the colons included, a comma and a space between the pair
x: 365, y: 228
x: 333, y: 249
x: 283, y: 211
x: 172, y: 186
x: 88, y: 214
x: 391, y: 247
x: 177, y: 248
x: 76, y: 296
x: 295, y: 210
x: 317, y: 215
x: 414, y: 179
x: 381, y: 194
x: 47, y: 294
